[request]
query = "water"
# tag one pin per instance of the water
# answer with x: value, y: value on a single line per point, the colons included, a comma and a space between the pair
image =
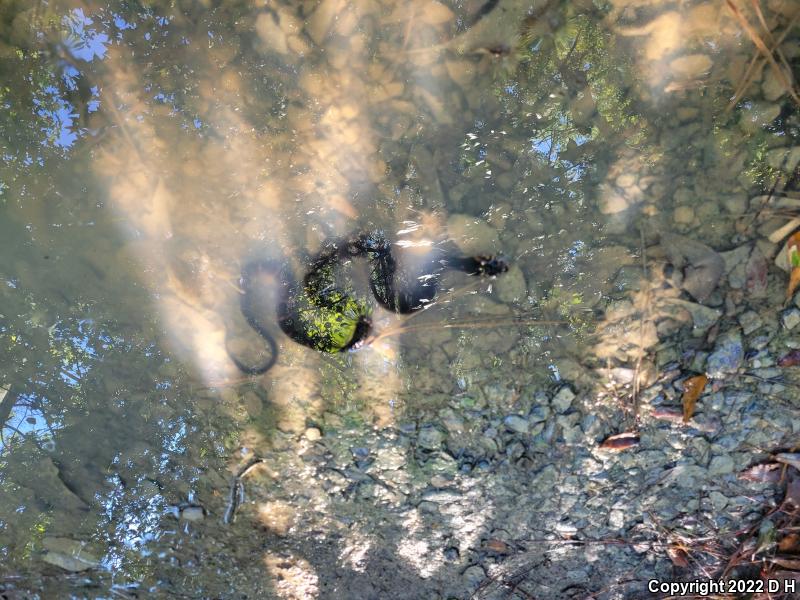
x: 149, y: 151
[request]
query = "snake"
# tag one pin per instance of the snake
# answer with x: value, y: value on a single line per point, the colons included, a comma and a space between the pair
x: 326, y: 315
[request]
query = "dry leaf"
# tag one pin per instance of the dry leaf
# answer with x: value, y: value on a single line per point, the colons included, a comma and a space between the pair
x: 793, y: 250
x: 790, y: 359
x: 692, y: 388
x: 790, y: 543
x: 668, y: 414
x: 787, y: 563
x: 498, y: 546
x: 620, y: 441
x: 678, y: 556
x: 765, y: 473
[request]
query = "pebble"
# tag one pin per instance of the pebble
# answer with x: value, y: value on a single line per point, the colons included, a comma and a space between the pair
x: 749, y: 321
x: 538, y: 414
x: 721, y: 465
x: 611, y: 201
x: 516, y: 424
x: 70, y: 555
x: 312, y: 434
x: 563, y: 399
x: 790, y: 318
x: 193, y: 513
x: 474, y: 576
x: 759, y: 115
x: 727, y: 355
x: 691, y: 66
x: 511, y: 286
x: 683, y: 215
x: 430, y: 438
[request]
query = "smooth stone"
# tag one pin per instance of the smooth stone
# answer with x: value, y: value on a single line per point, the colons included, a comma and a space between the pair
x: 192, y: 513
x: 516, y: 424
x: 691, y: 66
x: 759, y: 115
x: 511, y: 286
x: 312, y: 434
x: 683, y: 215
x: 790, y: 318
x: 68, y: 554
x: 538, y: 414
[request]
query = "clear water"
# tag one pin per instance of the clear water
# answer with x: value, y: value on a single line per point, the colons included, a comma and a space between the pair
x: 150, y: 150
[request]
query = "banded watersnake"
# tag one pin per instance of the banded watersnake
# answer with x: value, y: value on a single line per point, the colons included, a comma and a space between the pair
x: 325, y: 315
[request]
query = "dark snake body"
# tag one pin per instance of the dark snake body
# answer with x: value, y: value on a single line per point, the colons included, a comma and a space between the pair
x: 347, y: 324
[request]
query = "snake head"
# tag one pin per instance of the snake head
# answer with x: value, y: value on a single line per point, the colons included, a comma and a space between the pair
x: 360, y: 335
x: 374, y: 242
x: 491, y: 265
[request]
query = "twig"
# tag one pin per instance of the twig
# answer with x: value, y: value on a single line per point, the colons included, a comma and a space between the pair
x: 236, y: 493
x: 767, y: 53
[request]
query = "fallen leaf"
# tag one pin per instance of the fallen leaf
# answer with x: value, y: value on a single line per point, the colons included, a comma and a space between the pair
x: 668, y: 414
x: 790, y: 359
x: 787, y: 563
x: 678, y: 556
x: 620, y: 441
x: 793, y: 250
x: 790, y: 543
x: 498, y: 546
x: 764, y: 473
x: 692, y: 388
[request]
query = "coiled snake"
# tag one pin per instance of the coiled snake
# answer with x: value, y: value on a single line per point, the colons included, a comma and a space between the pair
x: 326, y: 316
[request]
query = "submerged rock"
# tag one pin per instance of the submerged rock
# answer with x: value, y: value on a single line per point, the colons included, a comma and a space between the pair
x: 727, y: 355
x: 430, y: 438
x: 68, y: 554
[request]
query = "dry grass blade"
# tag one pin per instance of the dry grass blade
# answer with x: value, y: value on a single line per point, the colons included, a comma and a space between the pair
x: 766, y: 52
x: 756, y: 60
x: 762, y: 20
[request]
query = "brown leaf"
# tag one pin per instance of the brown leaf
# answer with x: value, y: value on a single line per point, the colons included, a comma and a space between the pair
x: 786, y: 563
x: 692, y: 388
x: 765, y: 473
x: 790, y: 359
x: 620, y: 441
x: 678, y: 556
x: 668, y: 414
x: 794, y: 281
x: 793, y: 250
x: 790, y: 543
x: 498, y: 546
